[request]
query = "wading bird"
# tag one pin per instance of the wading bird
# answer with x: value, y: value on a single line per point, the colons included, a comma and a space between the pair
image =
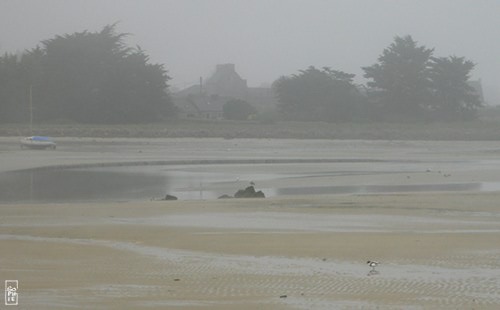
x: 372, y: 264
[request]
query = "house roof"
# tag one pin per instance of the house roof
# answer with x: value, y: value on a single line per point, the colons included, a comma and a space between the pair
x: 194, y: 89
x: 224, y: 84
x: 201, y: 103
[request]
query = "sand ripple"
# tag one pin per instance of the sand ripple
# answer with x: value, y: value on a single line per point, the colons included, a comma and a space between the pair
x: 308, y: 283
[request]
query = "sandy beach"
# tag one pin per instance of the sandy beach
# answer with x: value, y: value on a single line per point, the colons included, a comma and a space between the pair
x: 437, y: 250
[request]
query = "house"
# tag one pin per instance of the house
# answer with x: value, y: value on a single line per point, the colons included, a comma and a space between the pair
x: 207, y: 100
x: 200, y: 105
x: 226, y: 82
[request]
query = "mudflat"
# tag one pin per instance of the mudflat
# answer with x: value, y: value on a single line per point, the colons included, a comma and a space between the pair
x: 436, y: 250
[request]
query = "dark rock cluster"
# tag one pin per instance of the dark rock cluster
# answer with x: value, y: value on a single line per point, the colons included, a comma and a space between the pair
x: 169, y: 197
x: 248, y: 192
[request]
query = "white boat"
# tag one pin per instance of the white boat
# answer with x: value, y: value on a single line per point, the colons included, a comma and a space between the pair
x: 38, y: 142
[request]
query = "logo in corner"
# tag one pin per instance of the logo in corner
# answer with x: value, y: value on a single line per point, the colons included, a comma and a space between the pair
x: 11, y: 292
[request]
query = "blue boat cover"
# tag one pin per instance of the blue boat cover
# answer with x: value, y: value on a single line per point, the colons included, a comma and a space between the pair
x: 40, y: 138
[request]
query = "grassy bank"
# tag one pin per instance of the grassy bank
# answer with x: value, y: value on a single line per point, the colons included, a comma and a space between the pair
x: 484, y: 129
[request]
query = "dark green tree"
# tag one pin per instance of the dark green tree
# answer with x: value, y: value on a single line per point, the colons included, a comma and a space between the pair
x: 13, y: 90
x: 453, y: 97
x: 17, y: 78
x: 314, y: 94
x: 237, y: 109
x: 400, y: 79
x: 95, y: 77
x: 86, y: 77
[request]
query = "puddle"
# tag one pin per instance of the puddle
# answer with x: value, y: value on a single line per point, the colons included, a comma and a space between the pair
x: 106, y: 184
x: 367, y: 189
x: 76, y: 185
x: 153, y: 182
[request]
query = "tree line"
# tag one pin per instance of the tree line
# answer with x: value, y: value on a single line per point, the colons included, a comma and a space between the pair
x: 94, y: 77
x: 407, y: 83
x: 88, y: 77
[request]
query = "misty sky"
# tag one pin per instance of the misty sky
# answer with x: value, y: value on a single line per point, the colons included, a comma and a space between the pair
x: 269, y: 38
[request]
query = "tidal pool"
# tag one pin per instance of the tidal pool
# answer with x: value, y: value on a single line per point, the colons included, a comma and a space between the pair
x: 125, y: 183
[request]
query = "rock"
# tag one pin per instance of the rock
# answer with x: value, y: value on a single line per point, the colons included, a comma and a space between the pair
x: 249, y: 192
x: 259, y: 194
x: 170, y: 197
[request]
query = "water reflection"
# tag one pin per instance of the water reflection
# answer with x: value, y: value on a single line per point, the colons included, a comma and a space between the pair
x: 78, y: 185
x: 373, y: 272
x: 144, y: 183
x: 112, y: 183
x: 366, y: 189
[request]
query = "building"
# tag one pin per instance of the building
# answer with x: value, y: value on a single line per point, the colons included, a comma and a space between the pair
x: 207, y: 100
x: 226, y: 82
x: 200, y: 106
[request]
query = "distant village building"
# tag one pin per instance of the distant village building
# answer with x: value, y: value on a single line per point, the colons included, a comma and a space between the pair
x: 207, y: 100
x: 200, y: 105
x: 226, y: 82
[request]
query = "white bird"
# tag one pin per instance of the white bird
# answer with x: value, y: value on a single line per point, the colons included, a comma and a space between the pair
x: 372, y: 264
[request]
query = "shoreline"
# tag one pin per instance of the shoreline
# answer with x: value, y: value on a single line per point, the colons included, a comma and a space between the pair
x: 74, y: 151
x: 484, y: 129
x: 437, y: 249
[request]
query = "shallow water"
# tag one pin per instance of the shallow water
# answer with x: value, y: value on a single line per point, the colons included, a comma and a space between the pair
x: 154, y: 182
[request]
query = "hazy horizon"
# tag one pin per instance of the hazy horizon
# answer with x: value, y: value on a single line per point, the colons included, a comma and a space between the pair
x: 266, y: 39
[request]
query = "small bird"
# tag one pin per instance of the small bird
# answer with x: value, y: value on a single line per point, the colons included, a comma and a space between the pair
x: 372, y: 264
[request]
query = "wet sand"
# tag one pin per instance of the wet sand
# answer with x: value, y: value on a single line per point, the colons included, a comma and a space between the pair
x: 437, y: 250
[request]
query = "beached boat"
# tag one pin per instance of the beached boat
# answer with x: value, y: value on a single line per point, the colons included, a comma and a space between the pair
x: 38, y: 142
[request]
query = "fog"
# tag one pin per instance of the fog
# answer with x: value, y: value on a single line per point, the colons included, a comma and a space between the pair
x: 268, y: 38
x: 418, y: 193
